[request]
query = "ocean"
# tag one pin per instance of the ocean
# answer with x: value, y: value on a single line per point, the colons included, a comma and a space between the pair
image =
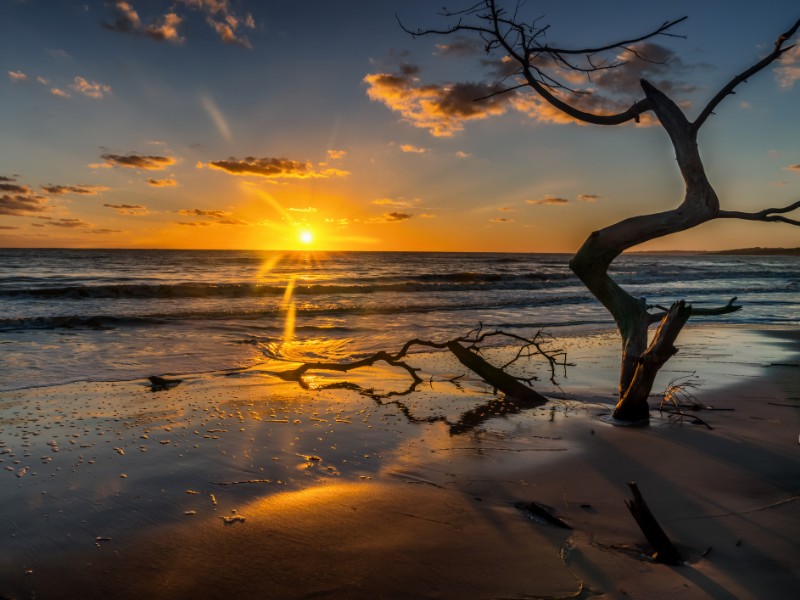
x: 113, y: 315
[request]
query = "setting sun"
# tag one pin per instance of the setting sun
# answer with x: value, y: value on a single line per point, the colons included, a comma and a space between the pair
x: 306, y: 236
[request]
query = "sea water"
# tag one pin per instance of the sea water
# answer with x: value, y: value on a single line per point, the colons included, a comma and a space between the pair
x: 71, y: 315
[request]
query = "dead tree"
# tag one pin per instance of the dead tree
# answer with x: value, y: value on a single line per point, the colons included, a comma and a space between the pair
x: 539, y: 67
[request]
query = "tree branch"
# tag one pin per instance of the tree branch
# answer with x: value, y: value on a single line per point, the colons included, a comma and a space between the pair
x: 769, y: 215
x: 776, y: 53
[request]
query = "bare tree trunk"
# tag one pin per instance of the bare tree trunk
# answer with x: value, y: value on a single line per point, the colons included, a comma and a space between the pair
x: 592, y: 261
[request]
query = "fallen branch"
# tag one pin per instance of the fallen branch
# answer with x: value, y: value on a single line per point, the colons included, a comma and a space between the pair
x: 665, y: 551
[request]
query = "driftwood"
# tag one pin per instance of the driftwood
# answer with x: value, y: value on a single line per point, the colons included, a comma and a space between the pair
x: 664, y: 550
x: 159, y: 384
x: 467, y: 350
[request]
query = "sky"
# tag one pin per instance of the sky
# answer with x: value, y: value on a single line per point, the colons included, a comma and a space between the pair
x: 282, y: 125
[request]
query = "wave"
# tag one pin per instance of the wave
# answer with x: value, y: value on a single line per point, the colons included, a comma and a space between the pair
x: 275, y: 314
x: 421, y: 283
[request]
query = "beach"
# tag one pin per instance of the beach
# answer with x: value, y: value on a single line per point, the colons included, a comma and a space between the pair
x: 239, y: 484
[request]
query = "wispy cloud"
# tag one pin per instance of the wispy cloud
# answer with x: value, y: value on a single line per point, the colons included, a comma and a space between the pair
x: 273, y: 168
x: 129, y: 209
x: 307, y: 209
x: 128, y: 20
x: 198, y: 212
x: 219, y: 120
x: 336, y: 154
x: 224, y: 20
x: 135, y: 161
x: 17, y: 76
x: 59, y: 92
x: 396, y: 203
x: 588, y: 197
x: 408, y: 148
x: 68, y: 223
x: 393, y: 217
x: 549, y: 200
x: 795, y: 168
x: 91, y: 89
x: 789, y: 70
x: 163, y: 182
x: 86, y: 190
x: 500, y: 220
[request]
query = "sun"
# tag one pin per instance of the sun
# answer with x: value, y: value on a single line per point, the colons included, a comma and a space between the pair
x: 306, y: 237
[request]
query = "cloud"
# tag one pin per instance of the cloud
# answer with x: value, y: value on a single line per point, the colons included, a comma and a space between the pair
x: 395, y: 216
x: 221, y: 17
x: 427, y: 216
x: 273, y: 168
x: 198, y: 212
x: 90, y: 89
x: 392, y: 202
x: 506, y: 209
x: 128, y: 209
x: 163, y: 182
x: 549, y: 200
x: 127, y: 20
x: 795, y: 168
x: 10, y: 186
x: 413, y: 149
x: 17, y: 76
x: 136, y: 161
x: 69, y: 223
x: 441, y: 109
x: 216, y: 117
x: 500, y: 220
x: 87, y: 190
x: 22, y: 205
x: 462, y: 154
x: 101, y: 231
x: 336, y: 154
x: 308, y: 209
x: 789, y: 70
x: 587, y: 197
x: 196, y: 223
x: 460, y: 47
x: 59, y: 92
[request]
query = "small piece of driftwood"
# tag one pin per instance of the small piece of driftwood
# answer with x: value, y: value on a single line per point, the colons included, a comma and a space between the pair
x: 664, y: 550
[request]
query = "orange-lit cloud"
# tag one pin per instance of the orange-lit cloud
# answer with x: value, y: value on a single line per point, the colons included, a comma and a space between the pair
x: 19, y: 200
x: 90, y: 89
x: 500, y: 220
x: 273, y: 168
x: 17, y: 76
x: 393, y: 217
x: 86, y: 190
x: 588, y: 197
x: 549, y: 200
x: 59, y: 92
x: 392, y: 202
x: 336, y: 154
x: 795, y: 168
x: 136, y: 161
x: 162, y: 182
x: 307, y: 209
x: 441, y: 109
x: 408, y: 148
x: 128, y: 209
x: 221, y: 17
x: 127, y: 20
x: 197, y: 212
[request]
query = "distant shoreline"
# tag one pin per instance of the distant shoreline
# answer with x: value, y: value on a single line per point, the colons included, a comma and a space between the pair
x: 757, y: 251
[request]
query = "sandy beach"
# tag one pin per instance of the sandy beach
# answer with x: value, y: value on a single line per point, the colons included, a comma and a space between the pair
x: 240, y: 485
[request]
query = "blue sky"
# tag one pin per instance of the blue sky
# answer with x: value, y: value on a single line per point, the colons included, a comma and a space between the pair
x: 233, y: 124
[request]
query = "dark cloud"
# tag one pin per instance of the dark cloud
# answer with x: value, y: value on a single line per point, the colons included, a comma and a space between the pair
x: 21, y: 205
x: 274, y: 168
x: 396, y: 216
x: 793, y: 168
x: 196, y: 223
x: 7, y: 227
x: 13, y: 188
x: 69, y: 223
x: 128, y: 209
x: 162, y: 182
x: 137, y: 161
x: 500, y: 220
x: 587, y: 197
x: 104, y: 231
x: 461, y: 47
x: 88, y: 190
x: 197, y: 212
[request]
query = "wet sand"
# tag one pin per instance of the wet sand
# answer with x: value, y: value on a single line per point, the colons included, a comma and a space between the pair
x: 245, y: 486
